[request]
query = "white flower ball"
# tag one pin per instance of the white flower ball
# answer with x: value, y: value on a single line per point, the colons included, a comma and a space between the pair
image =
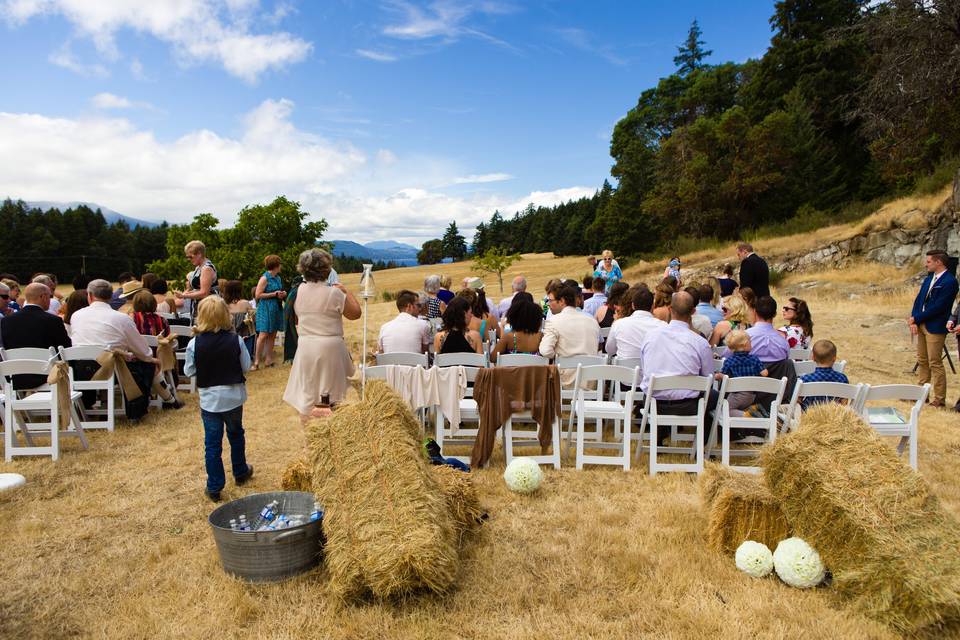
x: 523, y: 475
x: 798, y: 564
x: 754, y: 559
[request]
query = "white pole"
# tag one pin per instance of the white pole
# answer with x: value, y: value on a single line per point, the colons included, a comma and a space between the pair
x: 363, y: 354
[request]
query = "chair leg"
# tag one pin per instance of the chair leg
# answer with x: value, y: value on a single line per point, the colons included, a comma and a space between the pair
x: 556, y: 443
x: 725, y: 449
x: 508, y: 440
x: 626, y: 445
x: 580, y: 436
x: 654, y: 437
x: 78, y: 426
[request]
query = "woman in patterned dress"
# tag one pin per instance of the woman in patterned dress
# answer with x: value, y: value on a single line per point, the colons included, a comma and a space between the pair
x: 799, y: 328
x: 269, y: 297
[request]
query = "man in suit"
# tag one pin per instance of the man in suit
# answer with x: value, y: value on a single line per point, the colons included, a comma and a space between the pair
x: 569, y: 331
x: 754, y: 272
x: 32, y: 326
x: 928, y: 321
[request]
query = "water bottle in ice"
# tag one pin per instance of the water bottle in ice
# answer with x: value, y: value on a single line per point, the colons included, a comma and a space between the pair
x: 233, y: 525
x: 317, y: 512
x: 243, y: 525
x: 267, y: 514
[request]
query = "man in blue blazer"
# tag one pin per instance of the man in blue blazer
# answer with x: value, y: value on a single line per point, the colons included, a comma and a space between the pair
x: 928, y: 321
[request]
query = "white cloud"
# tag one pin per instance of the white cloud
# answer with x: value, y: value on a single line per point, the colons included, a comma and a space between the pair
x: 482, y: 178
x: 584, y: 41
x: 115, y: 163
x: 447, y: 20
x: 110, y: 101
x: 199, y: 31
x: 63, y: 57
x: 376, y: 56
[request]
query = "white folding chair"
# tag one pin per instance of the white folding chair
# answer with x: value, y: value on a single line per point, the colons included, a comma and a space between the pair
x: 403, y: 358
x: 652, y: 421
x: 853, y: 394
x: 801, y: 354
x: 804, y: 367
x: 887, y: 421
x: 461, y: 359
x: 604, y: 409
x: 106, y: 387
x: 724, y: 421
x: 719, y: 350
x: 187, y: 383
x: 718, y: 363
x: 521, y: 360
x: 167, y: 316
x: 617, y: 394
x: 455, y: 434
x: 28, y: 353
x: 34, y: 402
x: 567, y: 394
x: 156, y: 401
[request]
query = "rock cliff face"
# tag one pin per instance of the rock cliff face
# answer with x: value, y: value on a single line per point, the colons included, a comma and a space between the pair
x: 898, y: 242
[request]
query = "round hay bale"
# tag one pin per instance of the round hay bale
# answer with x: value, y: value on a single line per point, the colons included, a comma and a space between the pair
x: 891, y: 548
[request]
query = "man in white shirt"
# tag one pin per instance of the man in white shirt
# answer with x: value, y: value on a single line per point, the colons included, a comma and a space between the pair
x: 519, y: 284
x: 98, y: 324
x: 627, y: 334
x: 47, y: 281
x: 569, y: 331
x: 406, y: 333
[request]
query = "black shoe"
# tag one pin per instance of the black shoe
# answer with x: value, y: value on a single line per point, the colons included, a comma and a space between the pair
x: 213, y: 495
x: 176, y: 404
x: 242, y: 479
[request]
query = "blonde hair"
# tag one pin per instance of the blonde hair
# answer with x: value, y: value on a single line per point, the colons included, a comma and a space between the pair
x: 736, y: 309
x: 195, y: 248
x: 212, y: 316
x: 824, y: 352
x: 737, y: 340
x: 606, y: 253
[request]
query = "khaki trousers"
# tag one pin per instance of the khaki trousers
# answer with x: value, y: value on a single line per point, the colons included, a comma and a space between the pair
x: 930, y: 359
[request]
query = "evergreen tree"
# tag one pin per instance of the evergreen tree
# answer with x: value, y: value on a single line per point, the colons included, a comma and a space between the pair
x: 690, y: 56
x: 454, y: 244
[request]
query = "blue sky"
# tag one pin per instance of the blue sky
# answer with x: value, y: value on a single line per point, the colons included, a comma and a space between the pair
x: 388, y: 118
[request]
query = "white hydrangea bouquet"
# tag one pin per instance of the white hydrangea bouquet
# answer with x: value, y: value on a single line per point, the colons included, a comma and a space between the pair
x: 754, y: 559
x: 798, y: 564
x: 523, y: 475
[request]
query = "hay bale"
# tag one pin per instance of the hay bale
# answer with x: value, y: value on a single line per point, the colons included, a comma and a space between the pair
x: 297, y: 476
x: 892, y: 549
x: 461, y: 495
x: 740, y: 508
x: 389, y: 529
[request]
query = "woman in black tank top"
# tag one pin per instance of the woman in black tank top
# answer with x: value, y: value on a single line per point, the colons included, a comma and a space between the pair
x: 454, y: 336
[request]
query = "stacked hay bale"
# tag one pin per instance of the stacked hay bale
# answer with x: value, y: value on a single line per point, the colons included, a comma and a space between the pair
x: 740, y: 508
x: 390, y: 525
x: 892, y: 549
x: 297, y: 476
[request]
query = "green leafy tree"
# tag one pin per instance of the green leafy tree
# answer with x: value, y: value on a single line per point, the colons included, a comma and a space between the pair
x: 431, y: 252
x: 495, y: 261
x: 454, y: 244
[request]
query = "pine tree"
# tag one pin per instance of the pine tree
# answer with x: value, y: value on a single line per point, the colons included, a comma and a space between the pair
x: 690, y: 56
x: 454, y: 244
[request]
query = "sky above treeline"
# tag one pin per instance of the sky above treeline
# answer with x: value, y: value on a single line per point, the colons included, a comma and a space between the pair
x: 387, y: 118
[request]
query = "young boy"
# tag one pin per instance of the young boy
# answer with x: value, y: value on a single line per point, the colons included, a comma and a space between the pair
x: 741, y: 364
x: 824, y: 354
x: 218, y: 358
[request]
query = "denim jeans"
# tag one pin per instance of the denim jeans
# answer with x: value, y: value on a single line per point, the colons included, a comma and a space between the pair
x: 213, y: 426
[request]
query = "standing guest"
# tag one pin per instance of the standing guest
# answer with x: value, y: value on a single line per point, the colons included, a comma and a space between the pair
x: 706, y: 295
x: 32, y: 326
x: 5, y: 309
x: 727, y: 284
x: 445, y: 295
x: 14, y: 292
x: 202, y: 282
x: 568, y: 332
x: 269, y: 295
x: 75, y: 301
x: 754, y: 272
x: 455, y: 335
x: 218, y: 359
x: 592, y: 261
x: 799, y: 328
x: 519, y: 284
x: 673, y: 271
x: 115, y: 300
x: 734, y: 317
x: 318, y: 377
x: 768, y: 344
x: 145, y: 315
x: 607, y: 312
x: 406, y: 333
x: 928, y: 321
x: 431, y: 284
x: 587, y: 288
x: 597, y: 299
x: 47, y: 281
x: 100, y: 325
x: 290, y: 336
x: 608, y: 271
x: 953, y: 326
x: 627, y: 334
x: 241, y: 314
x: 662, y: 297
x: 525, y: 320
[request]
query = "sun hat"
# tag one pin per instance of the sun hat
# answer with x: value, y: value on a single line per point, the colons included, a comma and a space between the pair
x: 474, y: 283
x: 131, y: 287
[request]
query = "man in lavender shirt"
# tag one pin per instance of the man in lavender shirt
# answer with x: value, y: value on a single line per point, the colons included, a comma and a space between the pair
x: 768, y: 344
x: 675, y: 350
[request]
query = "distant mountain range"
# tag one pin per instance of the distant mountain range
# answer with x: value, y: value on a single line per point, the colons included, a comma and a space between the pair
x: 386, y: 250
x: 109, y: 215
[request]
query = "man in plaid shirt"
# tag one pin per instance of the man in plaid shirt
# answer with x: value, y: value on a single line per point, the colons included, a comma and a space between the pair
x: 824, y: 354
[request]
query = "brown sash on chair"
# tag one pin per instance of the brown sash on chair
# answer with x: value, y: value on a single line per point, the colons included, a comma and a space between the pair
x: 165, y: 352
x: 59, y: 375
x: 115, y: 361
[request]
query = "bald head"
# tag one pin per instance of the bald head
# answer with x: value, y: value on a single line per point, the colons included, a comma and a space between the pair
x: 682, y: 306
x: 38, y: 294
x: 519, y: 283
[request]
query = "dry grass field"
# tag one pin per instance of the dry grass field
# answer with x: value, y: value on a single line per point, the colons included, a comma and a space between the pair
x: 113, y: 542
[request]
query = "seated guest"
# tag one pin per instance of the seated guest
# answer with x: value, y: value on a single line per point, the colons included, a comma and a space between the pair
x: 544, y: 305
x: 727, y: 284
x: 607, y: 312
x: 598, y: 298
x: 706, y: 306
x: 699, y: 322
x: 32, y: 326
x: 476, y: 284
x: 824, y: 355
x: 519, y: 285
x: 741, y: 364
x: 115, y: 300
x: 161, y: 293
x: 80, y: 282
x: 568, y: 332
x: 431, y: 284
x: 406, y: 333
x: 627, y: 334
x: 5, y: 309
x: 46, y: 280
x: 129, y: 289
x: 14, y: 287
x: 587, y: 288
x: 520, y: 296
x: 484, y: 319
x: 715, y: 300
x: 799, y: 328
x: 662, y: 296
x: 734, y: 317
x: 75, y: 301
x: 99, y: 324
x: 445, y: 295
x: 675, y: 350
x: 749, y: 299
x: 145, y: 315
x: 524, y: 320
x: 768, y: 344
x: 455, y: 336
x: 148, y: 279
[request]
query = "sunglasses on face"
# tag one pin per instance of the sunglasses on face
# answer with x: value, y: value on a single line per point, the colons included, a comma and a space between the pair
x: 5, y: 296
x: 789, y: 309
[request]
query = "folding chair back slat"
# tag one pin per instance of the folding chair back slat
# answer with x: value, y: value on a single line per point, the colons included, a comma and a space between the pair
x: 460, y: 359
x: 521, y: 360
x: 403, y: 358
x: 28, y: 353
x: 801, y: 354
x: 723, y: 421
